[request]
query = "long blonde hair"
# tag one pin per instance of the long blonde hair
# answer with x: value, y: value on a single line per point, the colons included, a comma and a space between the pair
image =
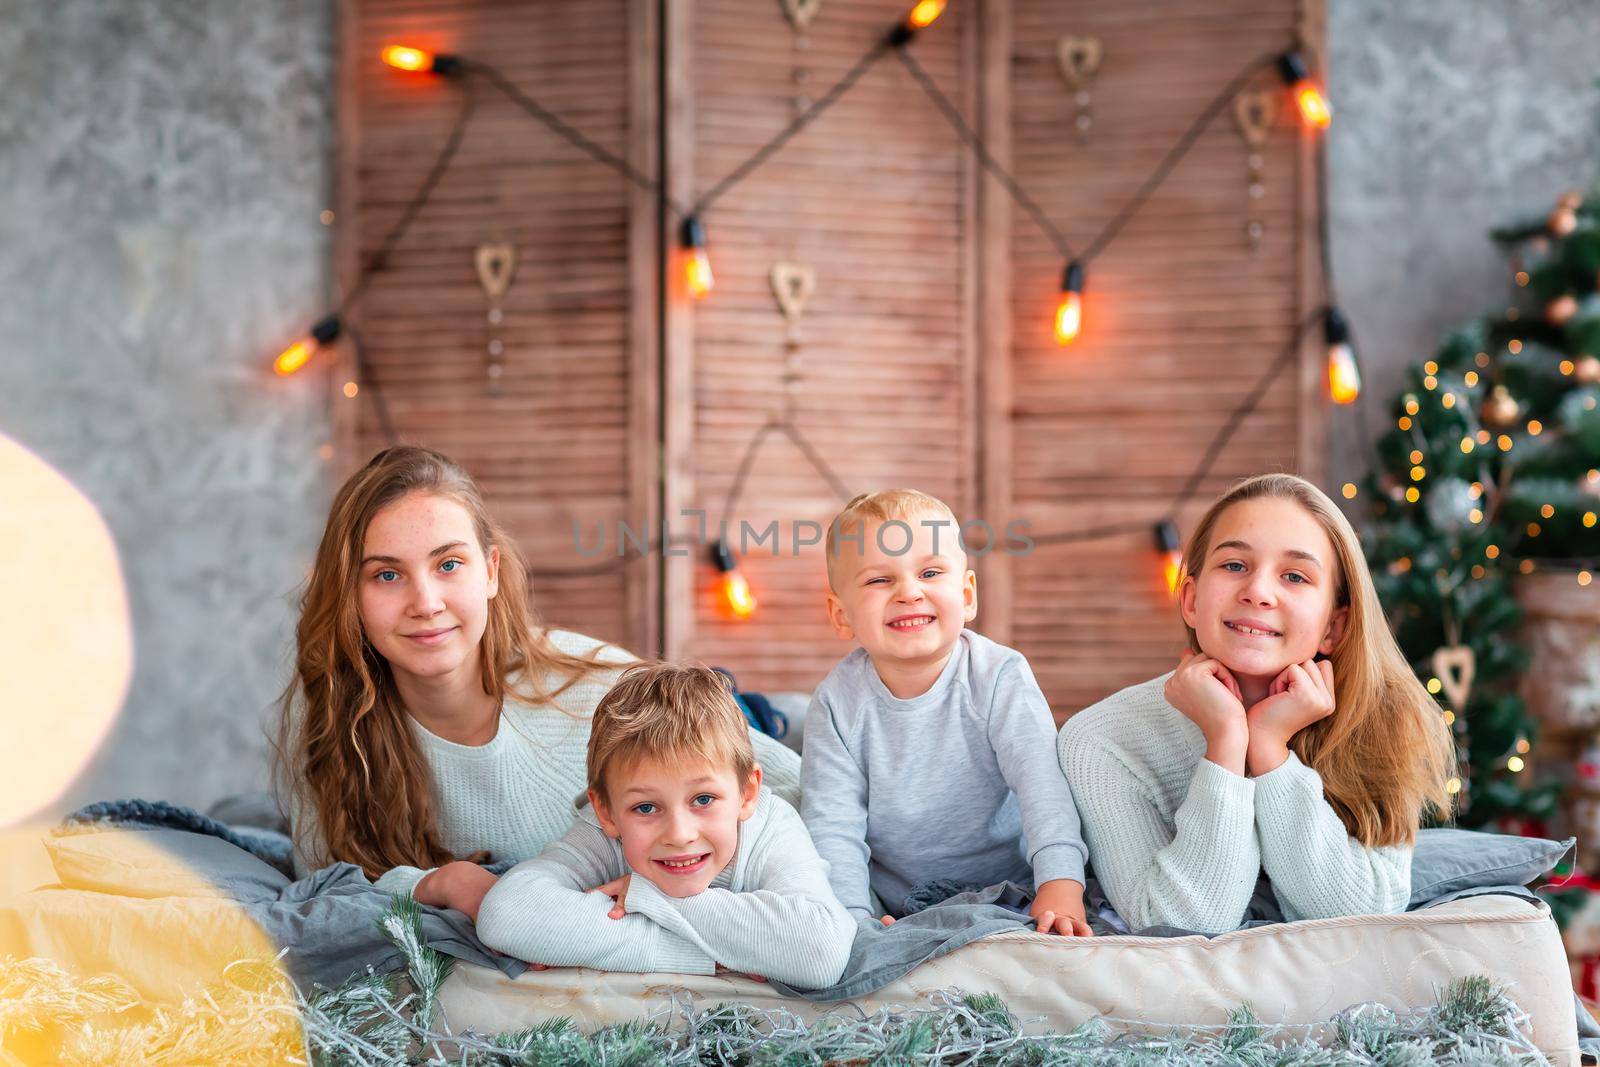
x: 343, y: 748
x: 1385, y: 755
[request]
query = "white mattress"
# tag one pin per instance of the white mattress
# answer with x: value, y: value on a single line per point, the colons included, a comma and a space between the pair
x: 1301, y: 972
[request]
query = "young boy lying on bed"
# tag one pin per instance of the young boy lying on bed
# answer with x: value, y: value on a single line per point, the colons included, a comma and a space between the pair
x: 680, y: 860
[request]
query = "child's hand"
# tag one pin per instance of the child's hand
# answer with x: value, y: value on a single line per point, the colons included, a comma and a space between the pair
x: 887, y: 920
x: 1208, y: 695
x: 1300, y: 695
x: 617, y: 890
x: 460, y: 885
x: 1058, y: 907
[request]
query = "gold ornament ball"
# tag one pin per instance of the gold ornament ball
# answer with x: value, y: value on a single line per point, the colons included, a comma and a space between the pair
x: 1587, y: 370
x: 1501, y: 408
x: 1561, y: 309
x: 1563, y: 220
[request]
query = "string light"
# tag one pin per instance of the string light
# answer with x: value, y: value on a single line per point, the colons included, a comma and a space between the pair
x: 1349, y: 490
x: 1412, y: 495
x: 1344, y: 376
x: 1584, y: 578
x: 697, y: 262
x: 404, y: 57
x: 1307, y: 96
x: 925, y: 13
x: 1535, y: 427
x: 1514, y: 764
x: 1171, y: 550
x: 297, y: 355
x: 734, y: 589
x: 1069, y: 311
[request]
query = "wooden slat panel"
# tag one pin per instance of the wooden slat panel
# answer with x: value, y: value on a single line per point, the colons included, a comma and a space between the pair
x: 565, y: 440
x: 878, y: 198
x: 1180, y: 319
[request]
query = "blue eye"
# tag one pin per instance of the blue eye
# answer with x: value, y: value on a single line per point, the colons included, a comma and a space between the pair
x: 450, y: 566
x: 1297, y: 578
x: 1231, y: 564
x: 933, y: 571
x: 387, y: 576
x: 645, y: 809
x: 704, y: 800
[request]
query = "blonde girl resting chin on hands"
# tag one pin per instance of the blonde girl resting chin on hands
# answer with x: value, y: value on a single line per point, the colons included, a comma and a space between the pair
x: 1292, y: 739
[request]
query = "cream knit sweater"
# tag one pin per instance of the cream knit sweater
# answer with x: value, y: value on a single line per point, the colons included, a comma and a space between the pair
x: 514, y: 795
x: 1176, y: 840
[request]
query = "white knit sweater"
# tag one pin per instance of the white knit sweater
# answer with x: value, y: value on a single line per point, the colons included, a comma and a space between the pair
x: 770, y: 911
x: 1176, y: 840
x: 514, y: 795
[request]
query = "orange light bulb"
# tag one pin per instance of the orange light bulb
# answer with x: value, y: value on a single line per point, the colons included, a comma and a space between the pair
x: 697, y: 272
x: 1069, y: 310
x: 925, y: 13
x: 291, y: 359
x: 736, y: 595
x: 1344, y: 377
x: 294, y: 357
x: 403, y: 57
x: 1308, y: 97
x: 1168, y: 544
x: 1313, y: 105
x: 696, y: 261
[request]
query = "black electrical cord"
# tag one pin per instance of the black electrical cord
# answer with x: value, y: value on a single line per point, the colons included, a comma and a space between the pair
x: 1137, y: 201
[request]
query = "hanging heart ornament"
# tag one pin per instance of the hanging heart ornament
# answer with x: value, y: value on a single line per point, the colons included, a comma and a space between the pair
x: 1078, y: 58
x: 792, y: 284
x: 1254, y: 112
x: 800, y: 12
x: 1454, y: 667
x: 496, y: 264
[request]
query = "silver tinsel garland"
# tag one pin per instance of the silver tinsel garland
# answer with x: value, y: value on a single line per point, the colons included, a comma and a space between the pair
x: 390, y: 1019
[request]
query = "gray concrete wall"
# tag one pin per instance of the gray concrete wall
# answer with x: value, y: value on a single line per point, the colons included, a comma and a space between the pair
x: 163, y: 165
x: 1450, y: 117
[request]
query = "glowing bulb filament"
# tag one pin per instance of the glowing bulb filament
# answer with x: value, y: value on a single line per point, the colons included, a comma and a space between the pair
x: 697, y: 272
x: 736, y: 595
x: 925, y: 13
x: 294, y: 357
x: 401, y: 57
x: 1344, y: 379
x: 1069, y: 311
x: 1313, y: 105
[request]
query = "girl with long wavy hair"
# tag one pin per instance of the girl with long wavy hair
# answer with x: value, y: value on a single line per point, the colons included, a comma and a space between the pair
x: 1293, y: 739
x: 431, y: 716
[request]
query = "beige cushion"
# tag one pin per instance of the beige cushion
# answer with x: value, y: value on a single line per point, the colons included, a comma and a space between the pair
x: 1291, y: 973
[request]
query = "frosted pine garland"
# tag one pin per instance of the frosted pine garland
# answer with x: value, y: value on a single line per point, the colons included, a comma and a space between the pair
x: 257, y: 1016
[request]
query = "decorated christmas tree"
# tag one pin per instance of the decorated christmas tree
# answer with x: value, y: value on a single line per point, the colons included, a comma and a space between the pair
x: 1487, y: 472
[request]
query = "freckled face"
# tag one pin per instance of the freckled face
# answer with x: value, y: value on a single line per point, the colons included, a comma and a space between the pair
x: 424, y: 586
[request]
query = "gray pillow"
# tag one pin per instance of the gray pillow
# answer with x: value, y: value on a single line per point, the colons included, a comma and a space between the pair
x: 136, y: 862
x: 1448, y: 861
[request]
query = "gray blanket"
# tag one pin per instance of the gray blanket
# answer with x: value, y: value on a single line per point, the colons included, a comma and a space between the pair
x: 327, y: 922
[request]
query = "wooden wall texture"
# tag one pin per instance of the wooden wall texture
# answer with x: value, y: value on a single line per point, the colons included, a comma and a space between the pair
x: 924, y: 357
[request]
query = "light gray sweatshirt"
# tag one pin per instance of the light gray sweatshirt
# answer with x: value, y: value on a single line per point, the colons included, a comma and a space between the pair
x: 1179, y: 841
x: 768, y: 912
x: 959, y: 783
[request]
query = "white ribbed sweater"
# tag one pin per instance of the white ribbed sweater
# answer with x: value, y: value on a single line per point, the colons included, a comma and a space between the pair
x: 1176, y: 840
x: 514, y: 795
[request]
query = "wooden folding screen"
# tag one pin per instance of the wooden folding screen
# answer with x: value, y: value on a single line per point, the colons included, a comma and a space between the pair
x: 924, y: 355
